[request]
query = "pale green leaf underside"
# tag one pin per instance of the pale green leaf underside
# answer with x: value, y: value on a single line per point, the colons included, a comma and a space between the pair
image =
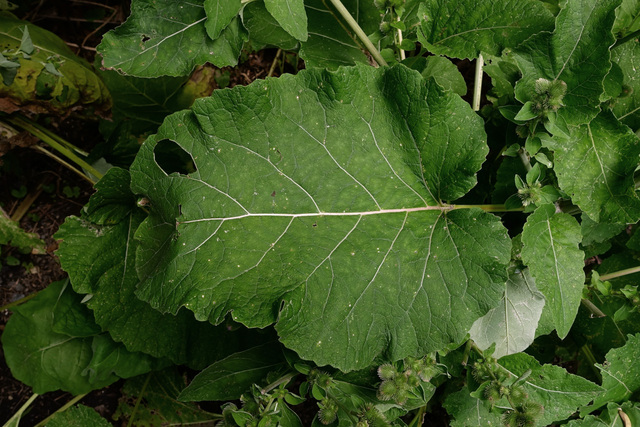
x: 168, y: 38
x: 577, y: 52
x: 512, y: 325
x: 463, y: 28
x: 551, y: 251
x: 595, y: 166
x: 291, y: 15
x: 320, y: 192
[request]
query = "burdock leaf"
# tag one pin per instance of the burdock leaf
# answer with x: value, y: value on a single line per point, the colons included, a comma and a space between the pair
x: 317, y: 201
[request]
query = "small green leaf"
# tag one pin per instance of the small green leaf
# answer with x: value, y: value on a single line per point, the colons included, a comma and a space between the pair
x: 467, y: 410
x: 551, y: 251
x: 441, y: 69
x: 220, y: 13
x: 291, y: 15
x: 26, y: 44
x: 559, y: 392
x: 228, y: 378
x: 526, y: 113
x: 620, y: 378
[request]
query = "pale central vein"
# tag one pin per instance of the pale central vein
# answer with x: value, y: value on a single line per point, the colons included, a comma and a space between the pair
x: 321, y: 214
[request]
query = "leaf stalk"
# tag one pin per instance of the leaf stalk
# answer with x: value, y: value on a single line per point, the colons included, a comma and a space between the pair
x: 620, y: 273
x: 359, y: 32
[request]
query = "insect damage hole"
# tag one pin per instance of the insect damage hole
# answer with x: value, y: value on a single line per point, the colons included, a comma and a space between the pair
x: 172, y: 158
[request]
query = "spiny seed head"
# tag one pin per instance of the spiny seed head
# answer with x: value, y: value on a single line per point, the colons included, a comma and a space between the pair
x: 387, y: 390
x: 387, y: 371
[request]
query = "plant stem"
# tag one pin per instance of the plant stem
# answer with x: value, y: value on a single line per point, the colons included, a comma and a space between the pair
x: 64, y: 163
x: 358, y: 30
x: 477, y: 83
x: 62, y: 409
x: 18, y: 302
x: 142, y: 391
x: 52, y: 135
x: 274, y: 63
x: 16, y: 417
x: 620, y: 273
x: 625, y: 39
x: 488, y: 208
x: 418, y: 420
x: 525, y: 159
x: 595, y: 311
x: 282, y: 380
x: 402, y: 54
x: 61, y: 148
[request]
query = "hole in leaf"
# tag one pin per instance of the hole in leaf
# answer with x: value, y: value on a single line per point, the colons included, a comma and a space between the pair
x: 145, y: 38
x: 172, y: 158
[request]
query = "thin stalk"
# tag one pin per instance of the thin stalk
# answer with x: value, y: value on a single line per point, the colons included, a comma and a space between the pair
x: 595, y: 311
x: 488, y: 208
x: 620, y: 273
x: 282, y: 380
x: 16, y: 417
x: 592, y: 360
x: 142, y: 391
x: 525, y: 159
x: 52, y: 135
x: 418, y: 420
x: 18, y: 302
x: 274, y: 63
x: 625, y: 39
x: 402, y: 54
x: 64, y: 163
x: 26, y: 204
x: 62, y: 149
x: 66, y: 406
x: 477, y: 83
x: 358, y: 30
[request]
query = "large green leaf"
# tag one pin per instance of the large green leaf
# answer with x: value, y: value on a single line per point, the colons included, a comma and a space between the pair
x: 98, y: 252
x: 168, y: 38
x: 551, y: 251
x: 316, y: 203
x: 627, y: 18
x: 47, y: 360
x: 577, y: 53
x: 595, y: 166
x: 559, y: 392
x: 51, y: 78
x: 463, y: 28
x: 331, y: 43
x: 512, y: 325
x: 291, y: 15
